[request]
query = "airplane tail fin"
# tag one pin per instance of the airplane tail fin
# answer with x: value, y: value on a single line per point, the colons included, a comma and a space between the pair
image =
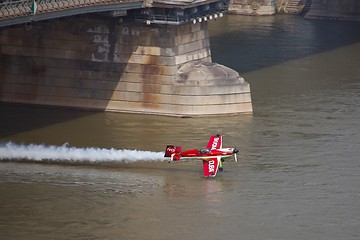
x: 170, y: 149
x: 173, y: 152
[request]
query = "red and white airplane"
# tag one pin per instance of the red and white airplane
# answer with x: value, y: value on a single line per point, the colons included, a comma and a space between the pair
x: 212, y: 156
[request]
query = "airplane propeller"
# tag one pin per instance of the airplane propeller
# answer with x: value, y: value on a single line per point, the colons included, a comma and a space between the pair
x: 235, y: 152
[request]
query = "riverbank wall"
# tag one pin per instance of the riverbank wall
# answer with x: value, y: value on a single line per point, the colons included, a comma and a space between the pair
x: 266, y: 7
x: 312, y: 9
x: 334, y: 10
x: 252, y: 7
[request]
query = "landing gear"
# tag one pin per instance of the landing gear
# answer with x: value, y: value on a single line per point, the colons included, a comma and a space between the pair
x: 220, y: 165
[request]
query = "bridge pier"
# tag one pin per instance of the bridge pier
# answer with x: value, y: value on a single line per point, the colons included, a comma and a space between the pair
x: 113, y: 64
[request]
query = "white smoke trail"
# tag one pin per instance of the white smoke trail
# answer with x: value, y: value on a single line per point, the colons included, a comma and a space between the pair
x: 34, y: 152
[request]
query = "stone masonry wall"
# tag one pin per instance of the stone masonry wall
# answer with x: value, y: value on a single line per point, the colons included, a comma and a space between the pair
x: 87, y: 63
x: 107, y: 64
x: 252, y: 7
x: 334, y: 9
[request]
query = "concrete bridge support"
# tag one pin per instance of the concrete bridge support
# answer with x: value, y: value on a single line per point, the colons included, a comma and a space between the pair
x: 110, y: 64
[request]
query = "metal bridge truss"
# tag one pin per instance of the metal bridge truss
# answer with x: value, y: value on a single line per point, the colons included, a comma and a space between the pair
x: 14, y: 12
x: 24, y: 11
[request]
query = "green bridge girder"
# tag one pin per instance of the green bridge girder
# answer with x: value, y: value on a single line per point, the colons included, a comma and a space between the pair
x: 13, y: 12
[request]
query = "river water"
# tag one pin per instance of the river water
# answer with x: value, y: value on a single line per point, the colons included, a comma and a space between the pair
x: 298, y: 171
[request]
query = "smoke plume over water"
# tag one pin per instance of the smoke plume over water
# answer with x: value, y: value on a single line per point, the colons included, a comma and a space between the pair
x: 33, y: 152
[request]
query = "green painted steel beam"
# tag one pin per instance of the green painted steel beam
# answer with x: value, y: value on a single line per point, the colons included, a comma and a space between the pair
x: 71, y: 12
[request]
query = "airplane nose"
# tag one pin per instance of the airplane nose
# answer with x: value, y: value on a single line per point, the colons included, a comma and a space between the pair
x: 236, y: 151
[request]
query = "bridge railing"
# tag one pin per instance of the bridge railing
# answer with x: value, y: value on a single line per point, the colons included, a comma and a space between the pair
x: 18, y: 8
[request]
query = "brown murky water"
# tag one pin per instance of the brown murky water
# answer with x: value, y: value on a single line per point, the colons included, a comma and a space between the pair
x: 298, y: 170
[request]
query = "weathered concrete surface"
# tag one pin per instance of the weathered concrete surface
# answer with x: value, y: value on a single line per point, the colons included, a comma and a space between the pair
x: 334, y: 9
x: 295, y: 7
x: 319, y: 9
x: 213, y: 87
x: 114, y: 65
x: 252, y: 7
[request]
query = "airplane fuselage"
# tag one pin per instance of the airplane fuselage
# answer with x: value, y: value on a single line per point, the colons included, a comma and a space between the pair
x: 207, y: 153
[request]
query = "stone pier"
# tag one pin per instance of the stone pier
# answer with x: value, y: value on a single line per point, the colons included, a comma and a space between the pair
x: 114, y: 64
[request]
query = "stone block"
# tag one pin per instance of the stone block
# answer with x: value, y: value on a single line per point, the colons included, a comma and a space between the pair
x: 151, y: 69
x: 147, y: 78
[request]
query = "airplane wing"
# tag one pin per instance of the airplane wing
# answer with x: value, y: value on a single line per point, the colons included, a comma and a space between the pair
x: 211, y: 166
x: 215, y: 142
